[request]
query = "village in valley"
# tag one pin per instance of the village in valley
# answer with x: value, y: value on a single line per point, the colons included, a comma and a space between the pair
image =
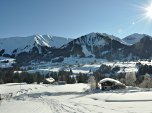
x: 80, y: 88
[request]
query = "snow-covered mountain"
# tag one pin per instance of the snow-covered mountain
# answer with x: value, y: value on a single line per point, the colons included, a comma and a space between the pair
x: 16, y: 45
x: 95, y: 45
x: 92, y: 45
x: 101, y: 45
x: 114, y: 38
x: 95, y: 39
x: 134, y: 38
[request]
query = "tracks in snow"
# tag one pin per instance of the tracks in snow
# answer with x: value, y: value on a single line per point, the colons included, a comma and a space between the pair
x: 57, y: 106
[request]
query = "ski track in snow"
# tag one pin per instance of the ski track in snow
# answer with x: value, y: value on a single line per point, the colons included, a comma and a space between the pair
x: 56, y: 106
x: 66, y: 106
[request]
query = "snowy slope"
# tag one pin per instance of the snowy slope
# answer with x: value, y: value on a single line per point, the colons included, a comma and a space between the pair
x: 91, y: 39
x: 90, y: 45
x: 72, y: 98
x: 134, y: 38
x: 114, y: 38
x: 25, y: 44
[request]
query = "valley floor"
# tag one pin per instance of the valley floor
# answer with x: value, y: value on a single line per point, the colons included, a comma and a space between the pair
x: 71, y: 98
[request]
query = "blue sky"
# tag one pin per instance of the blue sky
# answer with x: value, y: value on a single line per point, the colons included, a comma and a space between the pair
x: 72, y: 18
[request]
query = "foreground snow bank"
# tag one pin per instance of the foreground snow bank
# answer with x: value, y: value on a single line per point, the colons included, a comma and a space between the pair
x: 72, y: 98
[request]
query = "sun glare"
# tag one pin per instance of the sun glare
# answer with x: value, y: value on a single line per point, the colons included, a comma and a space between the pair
x: 149, y: 11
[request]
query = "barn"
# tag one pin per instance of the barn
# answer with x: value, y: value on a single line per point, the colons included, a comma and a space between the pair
x: 111, y: 84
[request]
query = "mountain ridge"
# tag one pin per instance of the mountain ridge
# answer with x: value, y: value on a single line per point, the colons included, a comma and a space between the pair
x: 25, y: 44
x: 97, y: 45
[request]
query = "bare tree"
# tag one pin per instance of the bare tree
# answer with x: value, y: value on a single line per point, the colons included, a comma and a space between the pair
x: 147, y: 82
x: 130, y: 78
x: 92, y: 82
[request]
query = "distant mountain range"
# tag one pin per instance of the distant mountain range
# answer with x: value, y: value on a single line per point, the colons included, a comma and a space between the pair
x: 55, y: 49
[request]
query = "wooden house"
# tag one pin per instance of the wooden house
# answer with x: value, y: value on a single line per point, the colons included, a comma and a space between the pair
x: 111, y: 84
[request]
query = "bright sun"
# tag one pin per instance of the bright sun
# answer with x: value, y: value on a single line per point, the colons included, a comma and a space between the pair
x: 149, y: 11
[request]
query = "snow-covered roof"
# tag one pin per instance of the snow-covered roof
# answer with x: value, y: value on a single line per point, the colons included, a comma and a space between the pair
x: 73, y: 75
x: 18, y: 72
x: 51, y: 80
x: 110, y: 80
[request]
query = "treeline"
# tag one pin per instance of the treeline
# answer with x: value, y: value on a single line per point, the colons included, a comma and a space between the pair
x: 143, y: 69
x: 69, y: 77
x: 142, y: 78
x: 8, y: 76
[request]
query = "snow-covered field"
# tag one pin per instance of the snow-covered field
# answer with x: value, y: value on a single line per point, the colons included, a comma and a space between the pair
x: 71, y: 98
x: 84, y: 67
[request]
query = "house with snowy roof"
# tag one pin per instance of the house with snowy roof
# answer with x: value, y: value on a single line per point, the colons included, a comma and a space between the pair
x: 110, y: 84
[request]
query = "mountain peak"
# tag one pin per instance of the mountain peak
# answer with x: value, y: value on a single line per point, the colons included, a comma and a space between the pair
x: 134, y: 38
x: 25, y: 44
